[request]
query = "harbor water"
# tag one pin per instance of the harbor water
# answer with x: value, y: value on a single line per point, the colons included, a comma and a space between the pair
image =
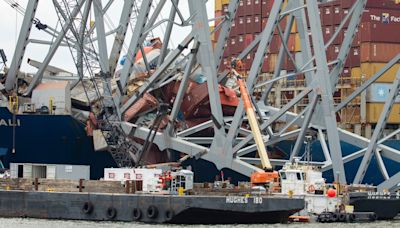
x: 43, y: 223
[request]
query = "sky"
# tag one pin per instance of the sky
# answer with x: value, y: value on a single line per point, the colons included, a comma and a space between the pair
x: 11, y: 21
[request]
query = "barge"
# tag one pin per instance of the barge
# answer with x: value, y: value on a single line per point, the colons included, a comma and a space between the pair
x: 118, y: 201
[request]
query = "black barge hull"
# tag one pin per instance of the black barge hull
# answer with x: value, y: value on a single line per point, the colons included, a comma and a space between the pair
x: 385, y: 205
x: 148, y: 208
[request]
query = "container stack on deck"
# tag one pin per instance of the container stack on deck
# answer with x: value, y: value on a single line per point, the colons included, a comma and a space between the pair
x: 376, y: 43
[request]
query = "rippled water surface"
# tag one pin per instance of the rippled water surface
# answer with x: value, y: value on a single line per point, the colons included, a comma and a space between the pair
x: 42, y: 223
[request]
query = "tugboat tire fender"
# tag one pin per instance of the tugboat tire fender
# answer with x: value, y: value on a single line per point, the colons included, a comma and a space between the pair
x: 169, y: 214
x: 372, y: 217
x: 136, y: 214
x: 152, y: 211
x: 111, y: 213
x: 87, y: 207
x: 334, y: 217
x: 352, y: 217
x: 342, y: 217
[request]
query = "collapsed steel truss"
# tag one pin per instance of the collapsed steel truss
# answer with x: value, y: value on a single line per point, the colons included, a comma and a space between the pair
x: 227, y: 148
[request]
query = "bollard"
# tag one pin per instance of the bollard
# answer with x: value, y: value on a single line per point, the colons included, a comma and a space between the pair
x: 80, y: 185
x: 134, y: 187
x: 127, y: 186
x: 36, y: 184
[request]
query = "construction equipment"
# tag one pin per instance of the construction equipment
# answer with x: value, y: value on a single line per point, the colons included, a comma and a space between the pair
x: 267, y: 175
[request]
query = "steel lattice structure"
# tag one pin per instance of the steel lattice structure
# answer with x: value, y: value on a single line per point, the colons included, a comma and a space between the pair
x: 230, y: 143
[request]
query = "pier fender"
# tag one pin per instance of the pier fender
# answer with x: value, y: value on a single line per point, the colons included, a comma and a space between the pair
x: 169, y: 214
x: 136, y: 214
x: 111, y: 212
x: 87, y: 207
x: 152, y: 211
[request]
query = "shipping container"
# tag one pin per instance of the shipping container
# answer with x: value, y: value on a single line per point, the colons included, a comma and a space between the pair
x: 380, y: 32
x: 257, y: 7
x: 356, y: 72
x: 370, y: 69
x: 241, y: 25
x: 379, y: 93
x: 249, y: 25
x: 266, y: 7
x: 297, y: 44
x: 218, y: 5
x: 248, y: 8
x: 374, y: 110
x: 379, y: 52
x: 241, y: 9
x: 353, y: 59
x: 49, y: 171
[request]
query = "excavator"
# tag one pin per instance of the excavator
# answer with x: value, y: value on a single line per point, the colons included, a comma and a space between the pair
x: 267, y: 178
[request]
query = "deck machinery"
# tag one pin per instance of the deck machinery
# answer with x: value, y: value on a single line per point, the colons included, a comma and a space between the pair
x: 231, y: 142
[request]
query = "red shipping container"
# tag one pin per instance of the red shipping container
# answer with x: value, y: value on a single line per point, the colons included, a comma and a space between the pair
x: 249, y: 24
x: 263, y: 22
x: 327, y: 32
x: 338, y: 15
x: 234, y: 28
x: 241, y: 25
x: 256, y: 6
x: 266, y: 6
x: 275, y: 45
x: 327, y: 16
x: 248, y: 60
x: 241, y: 44
x: 248, y: 8
x: 265, y: 66
x: 339, y: 37
x: 257, y: 23
x: 241, y: 9
x: 233, y: 45
x: 379, y: 52
x: 353, y: 59
x: 291, y: 42
x: 379, y: 32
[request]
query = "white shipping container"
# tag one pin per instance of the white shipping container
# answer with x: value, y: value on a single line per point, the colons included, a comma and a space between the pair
x: 118, y: 174
x: 149, y: 177
x: 49, y: 171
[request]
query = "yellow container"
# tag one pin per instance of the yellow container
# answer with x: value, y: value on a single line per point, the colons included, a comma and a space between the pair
x: 225, y: 2
x: 218, y: 5
x: 374, y: 111
x: 370, y: 69
x: 297, y: 45
x: 356, y: 72
x: 212, y: 34
x: 294, y: 27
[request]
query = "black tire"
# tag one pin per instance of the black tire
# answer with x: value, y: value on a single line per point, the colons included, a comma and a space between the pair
x: 169, y: 214
x: 136, y: 214
x: 334, y: 217
x: 87, y: 207
x: 321, y: 219
x: 342, y: 217
x: 352, y: 217
x: 152, y: 212
x: 111, y: 213
x: 372, y: 217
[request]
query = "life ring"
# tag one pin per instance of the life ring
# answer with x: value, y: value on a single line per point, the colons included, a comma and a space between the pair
x: 136, y: 214
x: 334, y: 217
x: 87, y: 207
x: 111, y: 212
x: 311, y: 188
x: 152, y: 211
x: 169, y: 214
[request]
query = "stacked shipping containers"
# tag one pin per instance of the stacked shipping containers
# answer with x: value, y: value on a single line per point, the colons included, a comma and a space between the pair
x: 376, y: 43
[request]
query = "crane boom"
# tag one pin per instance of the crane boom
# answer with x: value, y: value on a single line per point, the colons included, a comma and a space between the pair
x: 251, y: 116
